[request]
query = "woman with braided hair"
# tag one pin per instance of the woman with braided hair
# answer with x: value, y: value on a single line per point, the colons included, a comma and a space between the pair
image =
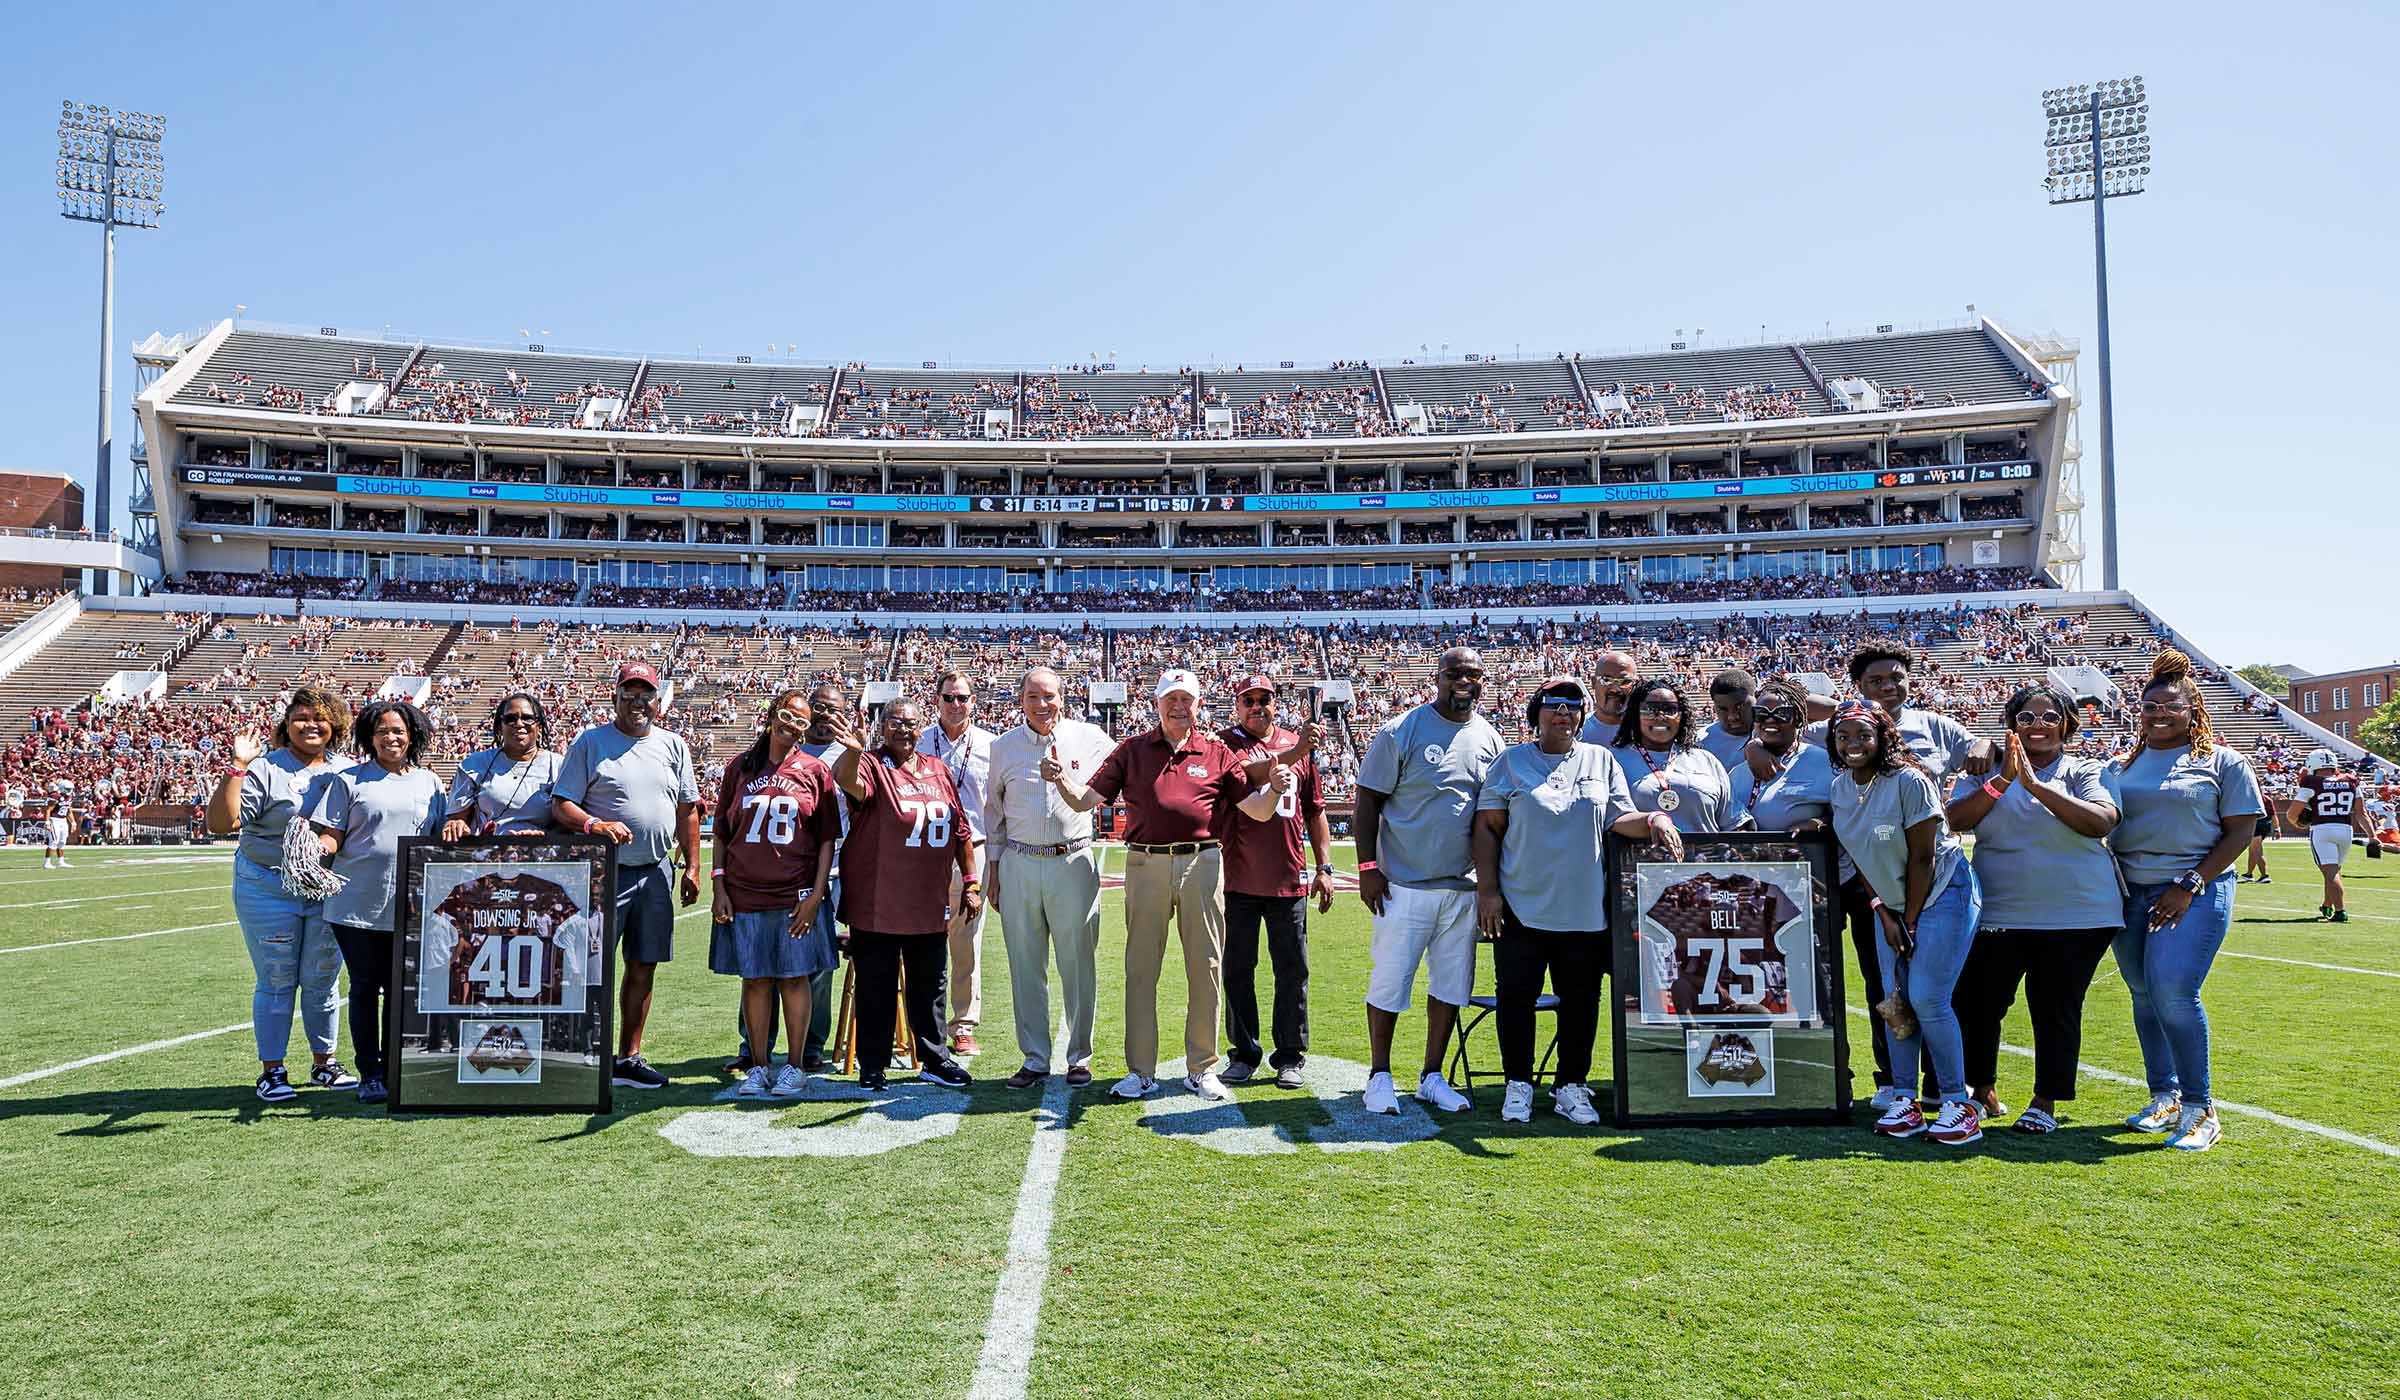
x: 2189, y: 804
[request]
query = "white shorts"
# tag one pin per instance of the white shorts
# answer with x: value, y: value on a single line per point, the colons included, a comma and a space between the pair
x: 2330, y: 841
x: 1435, y: 927
x: 58, y: 831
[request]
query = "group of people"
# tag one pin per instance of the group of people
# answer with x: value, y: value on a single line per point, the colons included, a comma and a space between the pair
x: 892, y: 846
x: 1461, y: 836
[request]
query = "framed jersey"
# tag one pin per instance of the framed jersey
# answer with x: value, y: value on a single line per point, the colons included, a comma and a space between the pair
x: 1727, y: 989
x: 503, y: 975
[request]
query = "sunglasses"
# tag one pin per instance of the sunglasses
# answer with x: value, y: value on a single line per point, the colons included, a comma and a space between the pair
x: 2026, y: 719
x: 1661, y: 707
x: 519, y: 719
x: 956, y: 699
x: 1781, y: 712
x: 1561, y: 702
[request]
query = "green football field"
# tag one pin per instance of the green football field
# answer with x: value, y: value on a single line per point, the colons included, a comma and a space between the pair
x: 168, y: 1235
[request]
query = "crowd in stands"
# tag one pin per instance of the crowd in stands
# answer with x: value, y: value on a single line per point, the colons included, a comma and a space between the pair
x: 267, y: 585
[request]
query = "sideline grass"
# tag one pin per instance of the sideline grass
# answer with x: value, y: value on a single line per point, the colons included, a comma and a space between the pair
x: 171, y: 1236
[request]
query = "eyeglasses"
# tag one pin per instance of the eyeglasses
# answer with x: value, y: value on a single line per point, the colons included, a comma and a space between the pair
x: 2026, y: 719
x: 2165, y: 707
x: 1661, y: 707
x: 1773, y: 712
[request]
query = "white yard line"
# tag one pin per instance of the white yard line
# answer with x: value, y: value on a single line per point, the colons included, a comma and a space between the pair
x: 120, y: 937
x: 52, y: 877
x: 2281, y: 1120
x: 129, y: 894
x: 31, y: 1075
x: 2298, y: 962
x: 1006, y: 1364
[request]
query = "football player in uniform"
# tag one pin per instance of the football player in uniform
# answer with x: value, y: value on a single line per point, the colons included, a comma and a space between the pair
x: 2327, y: 804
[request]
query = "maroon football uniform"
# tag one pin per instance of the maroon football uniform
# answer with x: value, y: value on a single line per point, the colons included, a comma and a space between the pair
x: 2328, y: 798
x: 902, y: 847
x: 771, y: 830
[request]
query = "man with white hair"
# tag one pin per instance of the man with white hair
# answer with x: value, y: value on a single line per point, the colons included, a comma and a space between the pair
x: 2328, y: 805
x: 1044, y: 875
x: 1178, y: 783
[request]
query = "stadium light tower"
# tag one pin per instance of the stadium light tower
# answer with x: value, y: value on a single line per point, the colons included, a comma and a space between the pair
x: 2098, y: 148
x: 110, y: 172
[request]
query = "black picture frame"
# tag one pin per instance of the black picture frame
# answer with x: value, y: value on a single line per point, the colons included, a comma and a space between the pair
x: 1642, y: 1053
x: 572, y: 1055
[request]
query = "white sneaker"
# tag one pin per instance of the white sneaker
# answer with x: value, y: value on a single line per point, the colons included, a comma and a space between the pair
x: 2160, y: 1116
x: 1208, y: 1086
x: 1380, y: 1096
x: 2196, y: 1130
x: 1884, y: 1098
x: 1573, y: 1102
x: 65, y: 864
x: 1516, y: 1106
x: 1435, y: 1090
x: 754, y: 1084
x: 791, y: 1081
x: 1134, y: 1086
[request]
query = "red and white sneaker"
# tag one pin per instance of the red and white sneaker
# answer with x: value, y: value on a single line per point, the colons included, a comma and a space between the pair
x: 1901, y: 1120
x: 1960, y: 1124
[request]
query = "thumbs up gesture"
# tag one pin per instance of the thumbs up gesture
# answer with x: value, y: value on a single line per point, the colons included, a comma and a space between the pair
x: 1052, y: 769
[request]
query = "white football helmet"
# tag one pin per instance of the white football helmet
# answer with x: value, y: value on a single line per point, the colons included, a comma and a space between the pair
x: 2321, y: 758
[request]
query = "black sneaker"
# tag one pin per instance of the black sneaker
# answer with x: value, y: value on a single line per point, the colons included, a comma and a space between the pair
x: 331, y: 1075
x: 2340, y: 916
x: 948, y: 1072
x: 815, y: 1064
x: 371, y: 1090
x: 634, y: 1072
x: 275, y: 1086
x: 872, y: 1083
x: 2266, y: 879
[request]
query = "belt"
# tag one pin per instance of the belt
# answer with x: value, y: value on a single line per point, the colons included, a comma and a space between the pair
x: 1063, y: 848
x: 1179, y: 848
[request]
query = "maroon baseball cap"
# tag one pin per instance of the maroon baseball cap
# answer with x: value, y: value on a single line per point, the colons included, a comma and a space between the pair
x: 641, y: 671
x: 1256, y: 680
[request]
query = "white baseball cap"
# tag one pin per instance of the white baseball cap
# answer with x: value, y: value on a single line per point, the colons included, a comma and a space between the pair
x: 1173, y: 681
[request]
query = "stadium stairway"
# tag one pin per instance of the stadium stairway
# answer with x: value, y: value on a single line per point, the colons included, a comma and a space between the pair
x: 78, y: 661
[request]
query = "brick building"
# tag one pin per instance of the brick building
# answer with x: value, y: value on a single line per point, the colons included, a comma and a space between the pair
x: 2342, y: 700
x: 29, y: 501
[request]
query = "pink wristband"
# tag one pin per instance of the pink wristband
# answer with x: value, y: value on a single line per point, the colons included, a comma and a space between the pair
x: 1990, y: 791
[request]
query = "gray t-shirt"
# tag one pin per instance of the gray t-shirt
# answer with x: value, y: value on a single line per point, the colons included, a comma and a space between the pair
x: 1938, y: 741
x: 1725, y: 748
x: 1553, y: 855
x: 502, y: 797
x: 2036, y: 872
x: 1429, y: 770
x: 1873, y: 828
x: 275, y: 789
x: 2173, y: 804
x: 1802, y: 790
x: 618, y: 778
x: 1698, y: 780
x: 373, y: 807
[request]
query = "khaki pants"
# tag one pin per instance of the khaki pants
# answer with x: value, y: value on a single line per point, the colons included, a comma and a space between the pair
x: 1190, y: 890
x: 1052, y: 903
x: 966, y: 955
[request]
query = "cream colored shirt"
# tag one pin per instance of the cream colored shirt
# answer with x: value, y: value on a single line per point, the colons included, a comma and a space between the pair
x: 1019, y: 806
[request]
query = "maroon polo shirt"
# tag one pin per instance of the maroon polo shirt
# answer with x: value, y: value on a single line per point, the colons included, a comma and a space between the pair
x: 1264, y: 858
x: 1171, y: 793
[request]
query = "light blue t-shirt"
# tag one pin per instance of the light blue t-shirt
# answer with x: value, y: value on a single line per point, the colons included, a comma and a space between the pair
x: 1800, y: 791
x: 618, y: 778
x: 496, y: 794
x: 1725, y: 748
x: 1429, y: 770
x: 1698, y: 780
x: 2174, y: 804
x: 1872, y: 825
x: 276, y: 787
x: 1553, y: 866
x: 2036, y: 871
x: 373, y: 807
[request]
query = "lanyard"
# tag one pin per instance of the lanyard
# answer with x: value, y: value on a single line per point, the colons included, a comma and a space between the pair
x: 1782, y: 765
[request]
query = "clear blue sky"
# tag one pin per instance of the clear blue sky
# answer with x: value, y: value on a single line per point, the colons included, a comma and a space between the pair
x: 1040, y: 183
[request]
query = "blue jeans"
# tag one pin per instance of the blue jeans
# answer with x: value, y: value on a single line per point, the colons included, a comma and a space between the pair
x: 294, y: 955
x: 1945, y: 932
x: 2164, y: 971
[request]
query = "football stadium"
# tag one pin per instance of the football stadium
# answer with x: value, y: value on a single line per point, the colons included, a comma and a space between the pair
x: 543, y: 868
